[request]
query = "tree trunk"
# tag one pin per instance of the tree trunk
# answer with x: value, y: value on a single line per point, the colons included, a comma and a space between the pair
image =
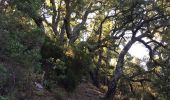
x: 95, y: 78
x: 118, y: 72
x: 113, y: 84
x: 95, y: 75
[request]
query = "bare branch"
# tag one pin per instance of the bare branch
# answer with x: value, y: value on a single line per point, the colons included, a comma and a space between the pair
x: 141, y: 73
x: 158, y: 43
x: 141, y: 80
x: 148, y: 47
x: 78, y: 27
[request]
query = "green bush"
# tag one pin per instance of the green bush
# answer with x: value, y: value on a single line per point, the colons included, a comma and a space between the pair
x: 55, y: 73
x: 4, y: 98
x: 20, y: 44
x: 24, y: 47
x: 3, y: 79
x: 20, y: 40
x: 64, y: 66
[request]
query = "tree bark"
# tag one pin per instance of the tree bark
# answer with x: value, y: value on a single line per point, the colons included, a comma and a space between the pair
x: 118, y: 72
x: 67, y: 18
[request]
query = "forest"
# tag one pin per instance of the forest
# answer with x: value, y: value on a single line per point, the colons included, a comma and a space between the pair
x: 80, y: 49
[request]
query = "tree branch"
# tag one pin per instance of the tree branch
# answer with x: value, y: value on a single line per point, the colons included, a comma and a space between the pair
x: 78, y: 27
x: 67, y: 19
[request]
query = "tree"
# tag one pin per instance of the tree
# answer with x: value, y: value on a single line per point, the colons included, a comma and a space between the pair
x: 100, y: 27
x: 146, y: 18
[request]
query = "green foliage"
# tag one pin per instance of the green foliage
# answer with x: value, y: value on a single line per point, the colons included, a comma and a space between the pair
x: 6, y: 83
x: 56, y: 73
x: 20, y: 47
x: 51, y: 49
x: 24, y: 47
x: 30, y: 7
x: 78, y: 65
x: 19, y: 40
x: 4, y: 98
x: 64, y: 66
x: 3, y: 78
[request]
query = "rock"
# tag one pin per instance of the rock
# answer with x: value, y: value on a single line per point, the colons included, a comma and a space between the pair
x: 39, y: 86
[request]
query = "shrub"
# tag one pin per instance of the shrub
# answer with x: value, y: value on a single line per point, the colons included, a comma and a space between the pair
x: 3, y: 80
x: 20, y: 47
x: 64, y: 66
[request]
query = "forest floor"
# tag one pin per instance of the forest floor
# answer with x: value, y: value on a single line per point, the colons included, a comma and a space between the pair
x: 85, y: 91
x: 28, y: 90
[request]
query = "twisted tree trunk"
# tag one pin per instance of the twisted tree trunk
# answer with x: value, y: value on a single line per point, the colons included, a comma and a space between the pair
x: 118, y: 72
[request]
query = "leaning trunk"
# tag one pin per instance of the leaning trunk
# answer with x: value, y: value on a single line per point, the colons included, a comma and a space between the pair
x: 118, y: 72
x: 113, y: 84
